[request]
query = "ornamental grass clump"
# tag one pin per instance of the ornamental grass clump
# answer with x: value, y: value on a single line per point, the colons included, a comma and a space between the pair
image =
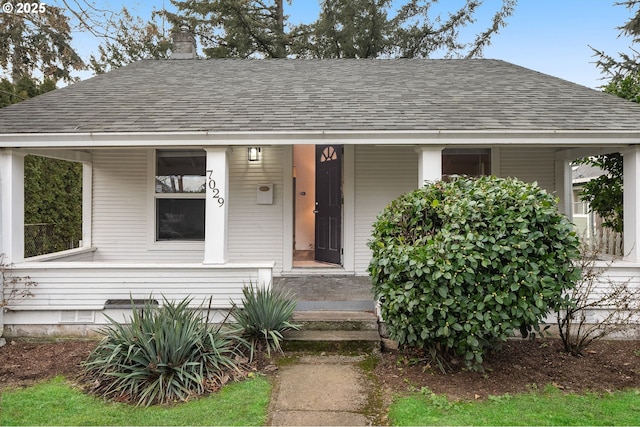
x: 460, y: 265
x: 162, y: 354
x: 265, y: 314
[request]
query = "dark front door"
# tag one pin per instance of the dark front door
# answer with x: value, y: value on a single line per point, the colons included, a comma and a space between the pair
x: 328, y: 203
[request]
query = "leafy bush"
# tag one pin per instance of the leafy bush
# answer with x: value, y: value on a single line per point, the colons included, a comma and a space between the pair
x: 598, y: 306
x: 605, y: 193
x: 460, y: 265
x: 265, y: 315
x: 163, y: 354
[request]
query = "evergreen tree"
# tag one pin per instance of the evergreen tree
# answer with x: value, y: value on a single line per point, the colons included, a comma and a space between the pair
x: 236, y: 28
x: 605, y: 193
x: 134, y: 39
x: 419, y: 31
x: 624, y: 72
x: 344, y: 29
x: 37, y: 45
x: 26, y: 87
x: 347, y: 29
x: 53, y: 205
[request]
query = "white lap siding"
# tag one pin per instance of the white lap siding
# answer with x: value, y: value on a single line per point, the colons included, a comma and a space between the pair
x: 73, y: 297
x: 256, y: 230
x: 120, y: 217
x: 123, y: 214
x: 381, y: 175
x: 529, y: 164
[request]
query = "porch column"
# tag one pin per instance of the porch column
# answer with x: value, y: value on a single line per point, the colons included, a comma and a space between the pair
x: 87, y: 204
x: 429, y: 164
x: 564, y: 187
x: 631, y: 216
x: 12, y: 205
x: 216, y: 203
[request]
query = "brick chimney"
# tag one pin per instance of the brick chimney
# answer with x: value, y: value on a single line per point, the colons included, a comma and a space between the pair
x: 184, y: 44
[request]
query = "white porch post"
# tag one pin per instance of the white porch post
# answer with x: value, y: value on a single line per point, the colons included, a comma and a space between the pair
x: 87, y: 204
x: 12, y: 205
x: 216, y: 205
x: 631, y: 234
x: 349, y: 214
x: 564, y: 187
x: 429, y: 164
x: 288, y: 202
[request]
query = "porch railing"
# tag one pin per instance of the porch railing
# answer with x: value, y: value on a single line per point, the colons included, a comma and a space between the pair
x: 42, y: 238
x: 605, y: 241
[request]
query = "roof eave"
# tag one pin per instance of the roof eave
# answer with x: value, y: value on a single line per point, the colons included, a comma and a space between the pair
x: 395, y: 137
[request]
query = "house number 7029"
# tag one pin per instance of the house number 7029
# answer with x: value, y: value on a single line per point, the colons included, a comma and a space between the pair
x: 211, y: 183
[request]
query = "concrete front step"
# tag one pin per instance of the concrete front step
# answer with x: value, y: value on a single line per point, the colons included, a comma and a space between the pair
x: 336, y: 320
x: 333, y: 305
x: 305, y: 335
x: 334, y: 331
x: 331, y: 340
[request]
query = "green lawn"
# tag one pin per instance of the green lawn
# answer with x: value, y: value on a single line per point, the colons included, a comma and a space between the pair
x: 245, y: 403
x: 551, y: 407
x: 56, y: 403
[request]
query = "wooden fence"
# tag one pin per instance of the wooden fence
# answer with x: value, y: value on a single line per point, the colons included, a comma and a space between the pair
x: 605, y: 241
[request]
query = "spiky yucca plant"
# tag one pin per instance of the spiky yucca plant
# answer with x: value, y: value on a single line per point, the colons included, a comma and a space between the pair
x: 163, y: 354
x: 265, y: 315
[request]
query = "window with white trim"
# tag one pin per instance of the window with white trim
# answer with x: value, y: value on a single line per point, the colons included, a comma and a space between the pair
x: 179, y: 195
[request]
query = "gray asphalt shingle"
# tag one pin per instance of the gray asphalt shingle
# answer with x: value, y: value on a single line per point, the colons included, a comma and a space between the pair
x: 233, y: 95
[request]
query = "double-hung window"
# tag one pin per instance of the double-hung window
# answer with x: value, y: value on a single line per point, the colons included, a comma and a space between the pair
x: 179, y: 195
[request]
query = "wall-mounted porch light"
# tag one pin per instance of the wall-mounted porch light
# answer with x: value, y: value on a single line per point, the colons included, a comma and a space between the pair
x: 254, y: 154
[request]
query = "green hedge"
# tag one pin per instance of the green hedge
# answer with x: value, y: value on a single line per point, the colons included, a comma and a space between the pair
x: 53, y: 201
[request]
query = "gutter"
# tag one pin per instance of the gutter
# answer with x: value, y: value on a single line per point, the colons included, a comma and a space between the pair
x: 396, y: 137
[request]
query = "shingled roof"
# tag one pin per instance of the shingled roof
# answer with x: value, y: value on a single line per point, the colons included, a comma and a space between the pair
x: 233, y: 95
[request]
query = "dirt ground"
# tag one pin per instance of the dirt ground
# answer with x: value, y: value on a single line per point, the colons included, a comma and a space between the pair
x: 24, y: 362
x: 520, y: 365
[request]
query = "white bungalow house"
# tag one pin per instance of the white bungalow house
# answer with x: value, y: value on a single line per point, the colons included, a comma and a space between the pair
x: 203, y: 175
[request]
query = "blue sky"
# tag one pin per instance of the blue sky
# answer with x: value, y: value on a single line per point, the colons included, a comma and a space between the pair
x: 550, y: 36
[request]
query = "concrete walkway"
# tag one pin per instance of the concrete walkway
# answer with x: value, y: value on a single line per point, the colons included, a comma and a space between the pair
x: 323, y: 390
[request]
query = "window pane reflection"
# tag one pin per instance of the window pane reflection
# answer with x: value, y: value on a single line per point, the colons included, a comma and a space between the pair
x: 180, y: 171
x: 180, y: 219
x: 470, y: 162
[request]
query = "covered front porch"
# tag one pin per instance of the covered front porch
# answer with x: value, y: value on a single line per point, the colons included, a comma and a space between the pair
x: 246, y: 241
x: 121, y: 204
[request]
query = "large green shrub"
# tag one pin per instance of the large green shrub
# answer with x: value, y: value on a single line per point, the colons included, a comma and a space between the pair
x: 161, y: 355
x: 460, y: 265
